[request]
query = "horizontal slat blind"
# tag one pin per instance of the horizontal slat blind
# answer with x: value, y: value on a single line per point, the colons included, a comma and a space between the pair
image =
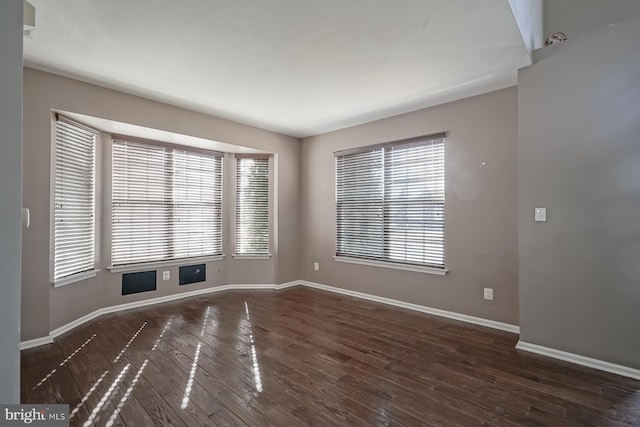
x: 74, y: 200
x: 252, y: 206
x: 166, y: 203
x: 360, y: 204
x: 197, y: 193
x: 390, y: 203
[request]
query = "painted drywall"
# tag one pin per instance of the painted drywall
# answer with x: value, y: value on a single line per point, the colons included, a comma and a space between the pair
x: 46, y: 307
x: 578, y: 17
x: 480, y: 213
x: 579, y: 156
x: 10, y: 197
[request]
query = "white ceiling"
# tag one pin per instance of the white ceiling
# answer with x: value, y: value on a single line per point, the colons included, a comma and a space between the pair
x: 300, y: 67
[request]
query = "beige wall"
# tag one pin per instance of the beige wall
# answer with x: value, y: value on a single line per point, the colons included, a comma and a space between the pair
x: 481, y: 204
x: 46, y: 308
x: 579, y: 156
x: 481, y: 208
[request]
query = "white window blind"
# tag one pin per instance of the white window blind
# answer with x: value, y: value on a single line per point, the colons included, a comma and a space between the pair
x: 390, y: 202
x: 74, y: 242
x: 166, y: 202
x: 252, y: 205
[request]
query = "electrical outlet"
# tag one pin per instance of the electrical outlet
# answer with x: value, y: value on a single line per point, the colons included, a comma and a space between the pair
x: 316, y: 266
x: 166, y: 275
x: 488, y: 294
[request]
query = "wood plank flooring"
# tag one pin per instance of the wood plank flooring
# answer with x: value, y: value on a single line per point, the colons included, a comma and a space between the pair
x: 302, y: 357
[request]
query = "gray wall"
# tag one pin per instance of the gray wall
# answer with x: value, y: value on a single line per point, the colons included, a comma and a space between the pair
x: 10, y: 196
x: 46, y: 308
x: 578, y: 17
x: 579, y: 156
x: 481, y: 208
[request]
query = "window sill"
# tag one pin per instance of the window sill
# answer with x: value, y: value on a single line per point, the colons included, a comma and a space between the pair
x: 249, y: 256
x: 75, y: 278
x: 394, y: 265
x: 169, y: 263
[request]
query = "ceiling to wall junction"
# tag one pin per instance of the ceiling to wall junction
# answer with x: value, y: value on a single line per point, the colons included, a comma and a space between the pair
x: 296, y: 67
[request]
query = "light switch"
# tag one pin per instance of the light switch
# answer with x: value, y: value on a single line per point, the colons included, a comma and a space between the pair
x: 26, y: 217
x: 540, y: 214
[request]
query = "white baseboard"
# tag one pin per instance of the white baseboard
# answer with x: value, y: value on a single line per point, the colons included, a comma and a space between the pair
x: 287, y: 285
x: 136, y: 304
x: 533, y: 348
x: 75, y: 323
x: 36, y: 342
x: 415, y: 307
x: 612, y: 368
x: 127, y: 306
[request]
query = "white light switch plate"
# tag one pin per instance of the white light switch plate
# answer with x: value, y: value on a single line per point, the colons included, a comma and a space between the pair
x: 166, y: 275
x: 488, y: 294
x: 26, y: 217
x: 540, y: 214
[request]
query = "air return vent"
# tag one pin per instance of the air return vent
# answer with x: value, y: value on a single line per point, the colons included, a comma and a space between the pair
x: 192, y: 274
x: 144, y: 281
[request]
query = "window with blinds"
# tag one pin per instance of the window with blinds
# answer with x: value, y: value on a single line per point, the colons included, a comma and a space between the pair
x: 74, y: 240
x: 166, y: 202
x: 390, y: 202
x: 252, y: 205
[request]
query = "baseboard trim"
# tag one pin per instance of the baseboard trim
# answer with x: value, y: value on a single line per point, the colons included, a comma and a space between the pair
x: 415, y: 307
x: 36, y: 342
x: 613, y: 368
x: 137, y: 304
x: 75, y: 323
x: 577, y: 359
x: 287, y: 285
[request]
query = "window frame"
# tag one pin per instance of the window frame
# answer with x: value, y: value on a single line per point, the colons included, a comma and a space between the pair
x: 236, y: 189
x: 384, y: 259
x: 150, y: 264
x: 93, y: 270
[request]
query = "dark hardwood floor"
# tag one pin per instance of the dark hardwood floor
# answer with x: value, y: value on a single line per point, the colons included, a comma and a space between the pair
x: 305, y: 357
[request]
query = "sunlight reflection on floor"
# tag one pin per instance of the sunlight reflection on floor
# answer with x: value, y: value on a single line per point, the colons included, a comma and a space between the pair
x: 166, y: 326
x: 87, y: 395
x: 254, y: 357
x: 46, y: 377
x: 126, y: 395
x: 194, y: 366
x: 106, y: 396
x: 129, y: 343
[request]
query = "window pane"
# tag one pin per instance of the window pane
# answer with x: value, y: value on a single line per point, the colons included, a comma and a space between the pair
x: 166, y: 203
x: 360, y: 230
x: 198, y: 204
x: 360, y: 209
x: 252, y: 206
x: 74, y: 195
x: 414, y: 202
x: 390, y: 203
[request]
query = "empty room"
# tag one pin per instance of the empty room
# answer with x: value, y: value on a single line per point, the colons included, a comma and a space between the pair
x: 322, y: 213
